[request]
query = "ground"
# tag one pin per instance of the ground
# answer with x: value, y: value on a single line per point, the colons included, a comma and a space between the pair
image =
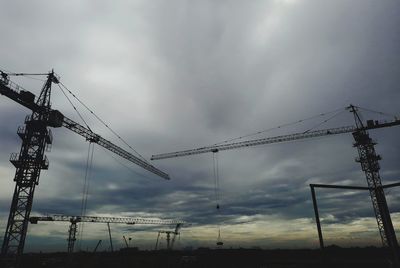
x: 208, y: 258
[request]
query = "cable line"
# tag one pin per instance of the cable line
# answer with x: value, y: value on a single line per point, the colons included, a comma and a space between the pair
x: 73, y: 106
x: 34, y: 78
x: 323, y: 122
x: 124, y: 165
x: 86, y: 186
x: 216, y: 180
x: 377, y: 112
x: 278, y: 127
x: 217, y: 194
x: 104, y: 123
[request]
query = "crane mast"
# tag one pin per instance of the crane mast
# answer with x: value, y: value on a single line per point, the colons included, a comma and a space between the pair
x: 29, y: 162
x: 368, y: 159
x: 36, y: 139
x: 170, y: 242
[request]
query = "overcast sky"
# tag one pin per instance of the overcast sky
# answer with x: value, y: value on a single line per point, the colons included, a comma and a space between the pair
x: 175, y: 75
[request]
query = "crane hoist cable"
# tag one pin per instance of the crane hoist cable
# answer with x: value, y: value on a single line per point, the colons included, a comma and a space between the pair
x: 86, y: 187
x: 217, y: 193
x: 336, y: 113
x: 216, y: 180
x: 88, y: 169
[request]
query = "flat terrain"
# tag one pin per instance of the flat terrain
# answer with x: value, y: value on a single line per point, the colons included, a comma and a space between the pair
x: 207, y: 258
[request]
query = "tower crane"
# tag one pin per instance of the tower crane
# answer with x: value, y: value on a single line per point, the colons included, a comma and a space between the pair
x: 367, y: 157
x: 74, y: 220
x: 170, y: 242
x: 126, y: 241
x: 36, y: 139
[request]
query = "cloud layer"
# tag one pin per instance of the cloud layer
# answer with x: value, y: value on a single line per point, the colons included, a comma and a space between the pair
x: 174, y: 75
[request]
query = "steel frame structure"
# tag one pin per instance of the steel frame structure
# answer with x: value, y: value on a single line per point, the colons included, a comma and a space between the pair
x: 36, y: 138
x: 74, y: 220
x: 277, y: 139
x: 315, y: 203
x: 367, y: 157
x: 170, y: 242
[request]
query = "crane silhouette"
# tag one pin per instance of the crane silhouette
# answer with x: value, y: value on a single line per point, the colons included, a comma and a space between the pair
x: 74, y: 220
x: 367, y: 157
x: 36, y: 139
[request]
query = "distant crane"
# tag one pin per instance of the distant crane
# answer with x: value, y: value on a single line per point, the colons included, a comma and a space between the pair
x: 170, y: 242
x: 367, y: 157
x: 76, y: 219
x: 126, y: 241
x: 36, y: 138
x: 97, y: 246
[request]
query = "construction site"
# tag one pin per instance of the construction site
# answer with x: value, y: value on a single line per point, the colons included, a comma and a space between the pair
x: 201, y: 136
x: 37, y: 138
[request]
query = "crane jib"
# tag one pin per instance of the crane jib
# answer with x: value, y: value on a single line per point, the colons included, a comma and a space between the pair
x: 93, y: 137
x: 57, y: 119
x: 269, y: 140
x: 98, y: 219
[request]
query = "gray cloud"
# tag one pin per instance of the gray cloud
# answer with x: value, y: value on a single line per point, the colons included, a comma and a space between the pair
x: 176, y: 75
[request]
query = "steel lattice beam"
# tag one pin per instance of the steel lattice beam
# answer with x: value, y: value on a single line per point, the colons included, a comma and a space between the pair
x: 74, y: 220
x: 270, y: 140
x: 36, y: 138
x: 29, y: 163
x: 93, y: 137
x: 126, y: 220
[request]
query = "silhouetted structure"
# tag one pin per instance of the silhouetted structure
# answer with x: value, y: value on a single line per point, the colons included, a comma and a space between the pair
x: 346, y: 187
x: 36, y: 139
x: 74, y: 220
x: 367, y: 158
x: 170, y: 242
